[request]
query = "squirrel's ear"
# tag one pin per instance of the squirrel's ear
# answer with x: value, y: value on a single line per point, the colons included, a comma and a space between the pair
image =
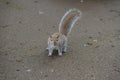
x: 57, y: 36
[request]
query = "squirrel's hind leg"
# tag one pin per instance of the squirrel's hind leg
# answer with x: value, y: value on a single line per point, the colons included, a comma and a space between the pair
x: 65, y: 49
x: 65, y: 46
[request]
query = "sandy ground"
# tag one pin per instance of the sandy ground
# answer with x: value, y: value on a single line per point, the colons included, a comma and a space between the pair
x: 93, y: 46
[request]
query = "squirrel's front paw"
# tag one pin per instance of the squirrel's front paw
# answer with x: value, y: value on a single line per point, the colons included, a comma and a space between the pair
x: 50, y: 54
x: 60, y: 54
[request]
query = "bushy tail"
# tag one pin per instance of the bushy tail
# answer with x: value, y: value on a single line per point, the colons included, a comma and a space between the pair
x: 68, y: 20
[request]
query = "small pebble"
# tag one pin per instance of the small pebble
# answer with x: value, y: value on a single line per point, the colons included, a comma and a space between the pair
x: 28, y: 70
x: 18, y: 60
x: 97, y: 46
x: 52, y: 70
x: 95, y: 40
x: 40, y: 12
x: 85, y: 45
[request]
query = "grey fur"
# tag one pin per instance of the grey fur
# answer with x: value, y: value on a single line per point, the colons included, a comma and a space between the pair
x: 61, y: 40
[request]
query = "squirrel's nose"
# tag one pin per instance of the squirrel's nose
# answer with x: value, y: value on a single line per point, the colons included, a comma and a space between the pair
x: 54, y: 43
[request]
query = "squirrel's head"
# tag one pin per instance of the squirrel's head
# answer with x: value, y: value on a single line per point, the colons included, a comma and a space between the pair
x: 54, y: 38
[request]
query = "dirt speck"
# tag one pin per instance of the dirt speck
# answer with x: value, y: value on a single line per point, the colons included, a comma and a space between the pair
x: 21, y: 44
x: 117, y: 70
x: 46, y: 75
x: 20, y: 22
x: 99, y: 33
x: 88, y: 43
x: 5, y: 26
x: 54, y: 26
x: 92, y: 75
x: 38, y: 29
x: 116, y: 11
x: 110, y: 41
x: 17, y: 69
x: 7, y: 3
x: 90, y: 37
x: 35, y: 1
x: 112, y: 45
x: 6, y: 54
x: 18, y: 60
x: 101, y: 19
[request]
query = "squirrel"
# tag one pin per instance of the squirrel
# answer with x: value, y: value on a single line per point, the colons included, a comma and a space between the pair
x: 59, y: 40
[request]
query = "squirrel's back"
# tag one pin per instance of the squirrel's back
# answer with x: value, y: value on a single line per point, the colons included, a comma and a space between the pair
x: 68, y: 21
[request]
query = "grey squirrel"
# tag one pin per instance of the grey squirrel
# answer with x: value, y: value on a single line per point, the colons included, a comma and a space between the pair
x: 59, y: 40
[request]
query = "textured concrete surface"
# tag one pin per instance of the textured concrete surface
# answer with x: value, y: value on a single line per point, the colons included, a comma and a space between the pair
x: 93, y: 46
